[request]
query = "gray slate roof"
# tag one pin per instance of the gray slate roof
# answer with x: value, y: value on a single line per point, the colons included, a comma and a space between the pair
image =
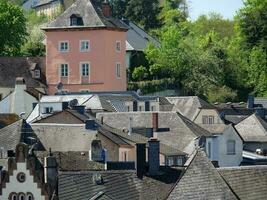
x: 189, y: 106
x: 10, y: 135
x: 248, y: 182
x: 92, y: 17
x: 252, y: 129
x: 123, y: 138
x: 182, y: 130
x: 13, y: 67
x: 137, y: 39
x: 201, y: 180
x: 44, y: 2
x: 72, y: 160
x: 121, y: 185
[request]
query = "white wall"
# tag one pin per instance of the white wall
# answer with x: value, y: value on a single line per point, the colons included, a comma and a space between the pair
x: 17, y: 102
x: 219, y: 148
x: 5, y: 91
x: 28, y: 186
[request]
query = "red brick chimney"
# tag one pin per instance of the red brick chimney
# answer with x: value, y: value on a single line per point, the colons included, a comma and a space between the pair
x: 155, y: 122
x: 106, y: 9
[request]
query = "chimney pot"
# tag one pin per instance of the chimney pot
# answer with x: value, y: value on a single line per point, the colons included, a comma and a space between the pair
x: 106, y: 9
x: 140, y: 159
x: 153, y: 156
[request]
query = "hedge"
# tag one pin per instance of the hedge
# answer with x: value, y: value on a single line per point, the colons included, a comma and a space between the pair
x: 153, y: 85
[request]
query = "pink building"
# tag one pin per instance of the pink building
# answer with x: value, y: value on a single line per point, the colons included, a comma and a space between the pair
x: 85, y: 50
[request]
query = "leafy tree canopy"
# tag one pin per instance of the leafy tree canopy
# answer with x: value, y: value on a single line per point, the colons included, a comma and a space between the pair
x: 13, y: 28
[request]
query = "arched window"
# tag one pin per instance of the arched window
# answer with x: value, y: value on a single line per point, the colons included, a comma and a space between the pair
x: 230, y: 147
x: 21, y: 196
x: 96, y: 150
x: 29, y: 196
x: 13, y: 196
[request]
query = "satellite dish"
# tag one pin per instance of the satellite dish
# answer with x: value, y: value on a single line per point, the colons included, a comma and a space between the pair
x: 59, y: 87
x: 73, y: 102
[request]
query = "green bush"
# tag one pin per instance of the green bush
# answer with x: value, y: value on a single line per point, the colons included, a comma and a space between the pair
x: 153, y: 85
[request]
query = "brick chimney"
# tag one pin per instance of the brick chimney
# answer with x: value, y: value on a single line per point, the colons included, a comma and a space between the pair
x: 106, y: 9
x: 140, y: 160
x: 50, y: 169
x: 155, y: 121
x: 153, y: 156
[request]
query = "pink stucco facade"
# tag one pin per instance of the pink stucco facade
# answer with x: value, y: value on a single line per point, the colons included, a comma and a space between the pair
x: 102, y: 57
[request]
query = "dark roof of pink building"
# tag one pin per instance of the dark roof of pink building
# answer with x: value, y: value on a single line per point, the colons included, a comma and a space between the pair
x: 92, y: 17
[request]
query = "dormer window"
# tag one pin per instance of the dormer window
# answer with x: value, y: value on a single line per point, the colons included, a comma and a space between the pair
x: 37, y: 73
x: 76, y: 20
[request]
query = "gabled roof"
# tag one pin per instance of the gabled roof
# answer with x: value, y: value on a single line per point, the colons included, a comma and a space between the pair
x: 13, y: 67
x: 189, y: 106
x: 117, y: 184
x: 135, y: 138
x: 182, y: 132
x: 11, y: 135
x: 44, y: 2
x: 92, y: 17
x: 201, y: 180
x: 136, y: 38
x: 248, y: 182
x: 252, y: 129
x: 67, y: 116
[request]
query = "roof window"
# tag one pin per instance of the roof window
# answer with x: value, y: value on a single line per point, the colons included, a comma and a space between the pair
x: 76, y: 20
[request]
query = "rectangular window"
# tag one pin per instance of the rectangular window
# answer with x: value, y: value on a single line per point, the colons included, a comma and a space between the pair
x: 64, y: 70
x: 170, y: 161
x: 179, y: 160
x: 84, y: 45
x: 230, y: 147
x: 48, y: 110
x: 124, y: 156
x: 85, y: 67
x: 118, y: 70
x: 118, y: 46
x: 207, y: 119
x: 37, y: 73
x: 63, y: 46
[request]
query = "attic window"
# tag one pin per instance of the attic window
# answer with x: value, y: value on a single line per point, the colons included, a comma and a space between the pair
x: 76, y: 20
x: 37, y: 73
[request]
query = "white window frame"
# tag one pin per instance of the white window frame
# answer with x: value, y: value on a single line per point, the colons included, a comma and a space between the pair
x: 116, y: 46
x: 63, y: 50
x: 60, y: 70
x: 37, y: 73
x: 207, y: 119
x: 85, y: 50
x: 228, y: 150
x: 118, y: 65
x: 81, y: 69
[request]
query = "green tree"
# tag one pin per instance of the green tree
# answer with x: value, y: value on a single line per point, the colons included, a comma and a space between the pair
x: 252, y: 23
x: 13, y: 28
x: 34, y: 45
x: 140, y: 73
x: 144, y: 13
x: 214, y: 22
x: 118, y: 8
